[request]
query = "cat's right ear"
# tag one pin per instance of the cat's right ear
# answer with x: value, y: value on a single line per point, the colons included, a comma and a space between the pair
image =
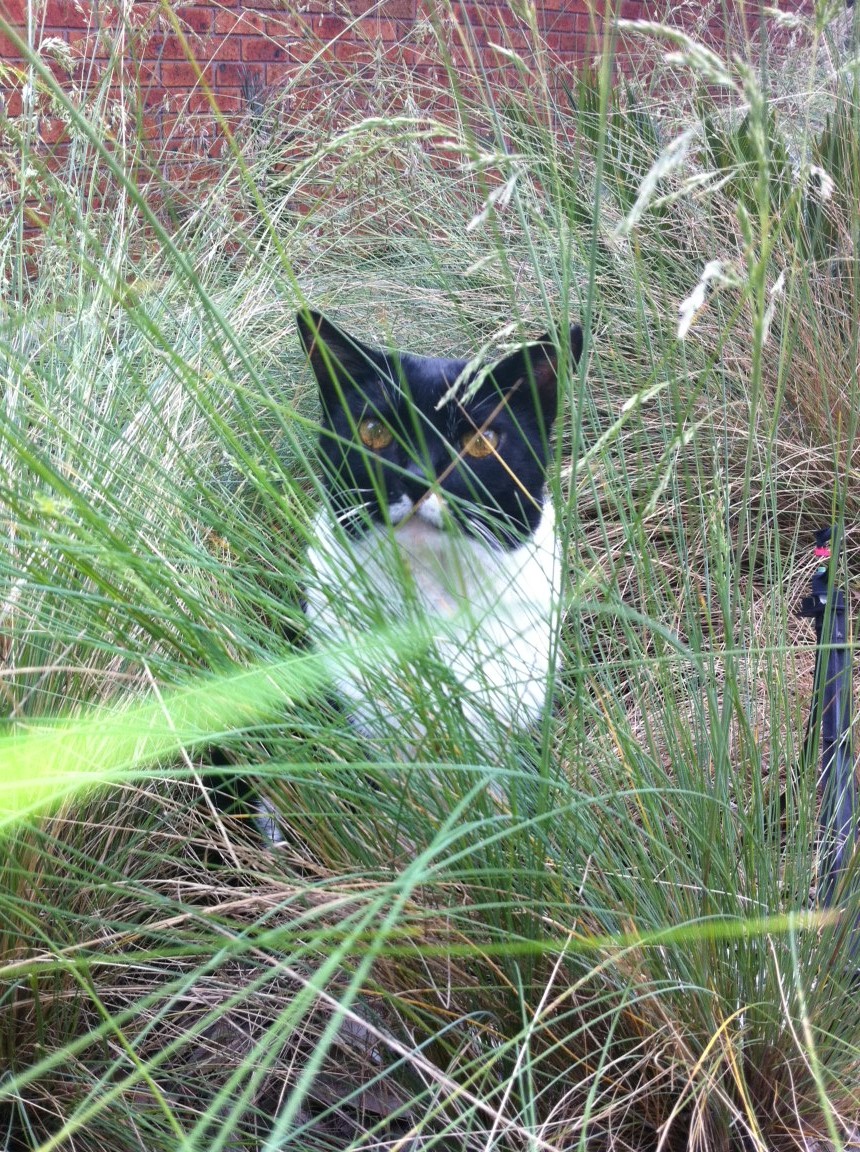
x: 339, y: 361
x: 535, y: 365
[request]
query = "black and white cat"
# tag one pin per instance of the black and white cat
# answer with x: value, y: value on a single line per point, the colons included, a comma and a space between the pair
x: 437, y: 514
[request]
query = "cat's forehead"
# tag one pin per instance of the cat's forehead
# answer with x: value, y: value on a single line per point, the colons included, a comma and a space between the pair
x: 425, y: 380
x: 445, y: 391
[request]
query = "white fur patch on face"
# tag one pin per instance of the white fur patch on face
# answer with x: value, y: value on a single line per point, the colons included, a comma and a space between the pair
x: 400, y: 509
x: 432, y: 510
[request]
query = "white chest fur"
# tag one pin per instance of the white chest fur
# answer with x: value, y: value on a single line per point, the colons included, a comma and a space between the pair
x: 491, y: 614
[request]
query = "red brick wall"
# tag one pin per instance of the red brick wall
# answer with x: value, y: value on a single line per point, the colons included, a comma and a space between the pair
x: 271, y: 40
x: 177, y: 56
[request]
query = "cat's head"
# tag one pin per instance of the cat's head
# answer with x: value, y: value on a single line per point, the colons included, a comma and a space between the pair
x: 397, y: 442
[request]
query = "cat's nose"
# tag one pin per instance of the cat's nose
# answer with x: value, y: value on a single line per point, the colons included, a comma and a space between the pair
x: 416, y: 479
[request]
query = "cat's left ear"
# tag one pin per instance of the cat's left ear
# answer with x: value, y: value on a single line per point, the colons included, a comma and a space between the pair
x: 533, y: 371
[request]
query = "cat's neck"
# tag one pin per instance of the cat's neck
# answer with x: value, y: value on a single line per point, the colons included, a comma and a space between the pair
x: 444, y: 572
x: 492, y: 613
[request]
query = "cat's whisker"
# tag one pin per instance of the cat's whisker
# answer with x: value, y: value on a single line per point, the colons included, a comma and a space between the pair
x: 482, y: 531
x: 488, y: 516
x: 483, y: 525
x: 357, y: 512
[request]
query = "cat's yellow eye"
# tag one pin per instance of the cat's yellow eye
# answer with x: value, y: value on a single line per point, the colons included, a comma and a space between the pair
x: 481, y: 444
x: 374, y: 434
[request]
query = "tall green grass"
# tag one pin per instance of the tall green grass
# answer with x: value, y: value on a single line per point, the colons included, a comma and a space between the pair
x: 618, y: 946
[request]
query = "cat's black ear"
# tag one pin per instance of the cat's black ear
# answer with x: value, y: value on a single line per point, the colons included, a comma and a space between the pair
x: 533, y: 371
x: 340, y: 362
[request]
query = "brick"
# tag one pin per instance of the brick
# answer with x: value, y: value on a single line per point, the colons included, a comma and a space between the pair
x: 407, y: 56
x: 277, y: 75
x: 198, y: 17
x: 15, y: 13
x: 301, y: 51
x: 152, y: 97
x: 202, y: 48
x: 178, y: 74
x: 220, y: 48
x: 288, y: 24
x: 167, y: 46
x: 65, y: 14
x: 146, y: 73
x: 88, y: 46
x: 141, y: 12
x: 477, y: 36
x: 151, y: 127
x: 196, y: 103
x: 277, y: 38
x: 348, y: 51
x: 235, y: 21
x: 176, y: 138
x: 230, y: 75
x: 260, y: 48
x: 231, y: 100
x: 564, y: 24
x: 384, y: 30
x: 57, y: 154
x: 52, y: 131
x: 396, y: 9
x: 328, y: 26
x: 12, y: 101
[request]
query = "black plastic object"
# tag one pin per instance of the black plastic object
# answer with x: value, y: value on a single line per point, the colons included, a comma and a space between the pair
x: 831, y: 707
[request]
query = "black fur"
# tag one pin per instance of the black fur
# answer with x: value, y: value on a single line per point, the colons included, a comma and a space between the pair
x: 517, y: 399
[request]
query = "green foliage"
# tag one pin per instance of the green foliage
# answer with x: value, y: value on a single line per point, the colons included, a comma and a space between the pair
x: 734, y: 153
x: 835, y: 151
